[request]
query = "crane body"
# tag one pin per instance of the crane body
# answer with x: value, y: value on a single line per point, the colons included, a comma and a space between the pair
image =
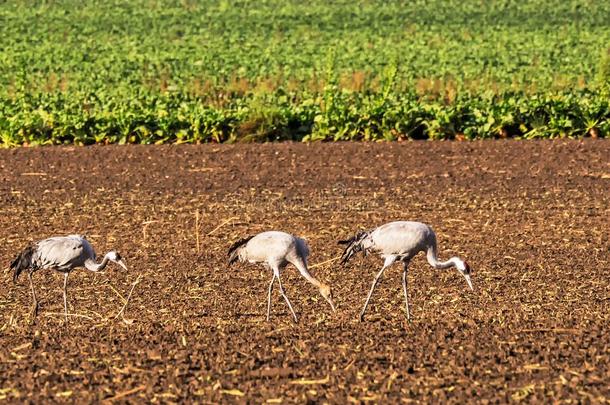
x: 400, y: 241
x: 275, y: 250
x: 62, y: 254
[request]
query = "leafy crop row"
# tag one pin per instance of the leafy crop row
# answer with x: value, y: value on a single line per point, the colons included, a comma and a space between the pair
x: 331, y: 116
x: 151, y: 71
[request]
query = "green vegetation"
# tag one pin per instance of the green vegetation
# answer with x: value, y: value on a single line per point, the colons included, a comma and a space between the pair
x: 150, y: 71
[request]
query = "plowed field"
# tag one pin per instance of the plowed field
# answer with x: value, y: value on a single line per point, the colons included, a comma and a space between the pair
x: 531, y: 218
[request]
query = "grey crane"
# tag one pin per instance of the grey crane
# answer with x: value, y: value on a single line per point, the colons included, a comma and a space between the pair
x: 275, y: 250
x: 63, y: 254
x: 400, y: 241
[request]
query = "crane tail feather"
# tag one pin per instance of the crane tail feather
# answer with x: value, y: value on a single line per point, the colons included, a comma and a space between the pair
x: 354, y: 245
x: 232, y: 258
x: 22, y: 262
x: 233, y: 252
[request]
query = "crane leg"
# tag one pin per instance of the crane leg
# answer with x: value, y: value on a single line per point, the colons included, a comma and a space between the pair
x: 269, y: 297
x: 66, y: 296
x: 377, y: 277
x: 404, y: 288
x: 277, y: 274
x: 35, y: 307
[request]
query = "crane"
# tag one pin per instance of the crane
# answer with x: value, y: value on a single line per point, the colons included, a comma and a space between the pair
x: 400, y: 241
x: 275, y: 250
x: 62, y: 254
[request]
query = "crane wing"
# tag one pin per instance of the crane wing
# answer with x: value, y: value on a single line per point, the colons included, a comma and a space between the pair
x: 403, y: 238
x: 61, y: 253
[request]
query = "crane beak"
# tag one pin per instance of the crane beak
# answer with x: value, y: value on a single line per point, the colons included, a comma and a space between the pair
x: 122, y: 264
x: 467, y: 277
x: 332, y: 304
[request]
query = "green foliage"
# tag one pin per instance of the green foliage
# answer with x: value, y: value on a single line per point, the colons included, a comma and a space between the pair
x: 603, y: 70
x: 152, y: 71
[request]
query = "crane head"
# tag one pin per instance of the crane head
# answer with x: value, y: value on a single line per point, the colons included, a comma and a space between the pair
x: 327, y: 293
x: 464, y: 268
x: 115, y: 257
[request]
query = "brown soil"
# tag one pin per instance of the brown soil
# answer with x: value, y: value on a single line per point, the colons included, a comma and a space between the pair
x: 530, y: 217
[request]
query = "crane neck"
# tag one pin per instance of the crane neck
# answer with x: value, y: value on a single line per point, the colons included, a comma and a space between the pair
x: 302, y: 267
x: 432, y: 257
x: 91, y: 265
